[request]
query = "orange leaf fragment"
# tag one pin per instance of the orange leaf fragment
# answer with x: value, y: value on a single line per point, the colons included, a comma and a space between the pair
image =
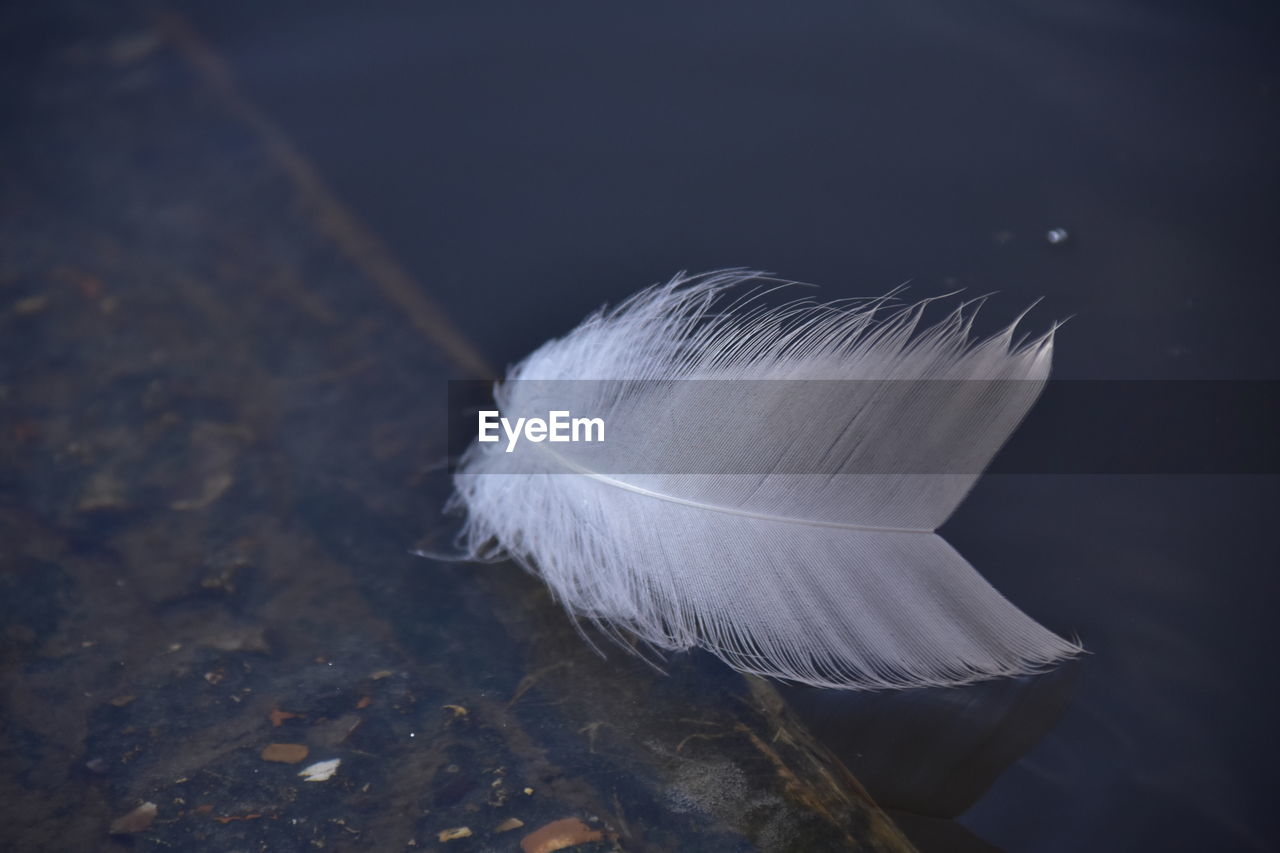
x: 559, y: 834
x: 285, y: 753
x: 278, y: 717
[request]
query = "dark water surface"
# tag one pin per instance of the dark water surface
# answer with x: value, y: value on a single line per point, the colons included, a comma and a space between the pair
x: 528, y: 162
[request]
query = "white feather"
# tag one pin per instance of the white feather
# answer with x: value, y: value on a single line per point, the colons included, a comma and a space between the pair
x: 786, y: 527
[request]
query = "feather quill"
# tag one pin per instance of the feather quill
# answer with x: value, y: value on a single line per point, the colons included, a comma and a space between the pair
x: 790, y: 530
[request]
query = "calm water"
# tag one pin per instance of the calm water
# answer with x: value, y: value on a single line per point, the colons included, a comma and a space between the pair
x: 530, y: 161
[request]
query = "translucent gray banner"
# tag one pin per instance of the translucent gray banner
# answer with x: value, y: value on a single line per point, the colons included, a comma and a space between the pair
x: 872, y: 427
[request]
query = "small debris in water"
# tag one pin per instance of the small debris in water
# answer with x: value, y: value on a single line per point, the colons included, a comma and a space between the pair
x: 321, y: 771
x: 30, y: 305
x: 285, y: 753
x: 455, y: 833
x: 331, y: 733
x: 559, y: 834
x: 1057, y: 236
x: 213, y: 487
x: 278, y: 717
x: 509, y: 824
x: 135, y: 821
